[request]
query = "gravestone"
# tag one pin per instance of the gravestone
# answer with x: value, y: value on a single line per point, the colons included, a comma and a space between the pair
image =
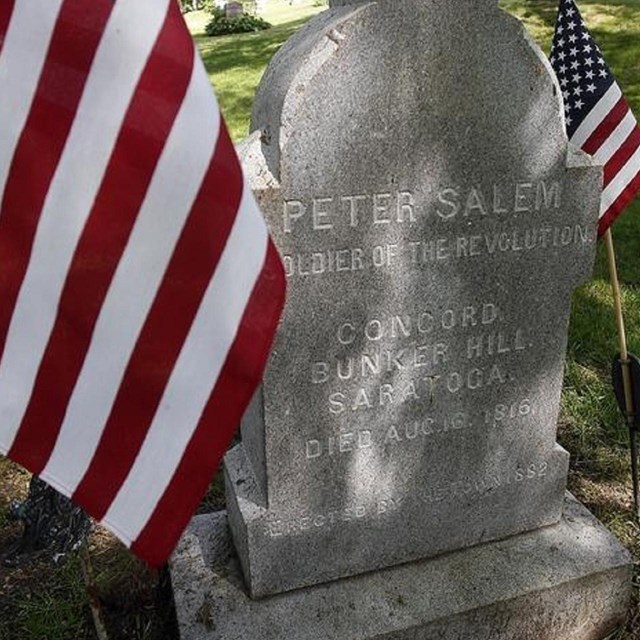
x: 234, y: 9
x: 412, y: 164
x: 431, y: 243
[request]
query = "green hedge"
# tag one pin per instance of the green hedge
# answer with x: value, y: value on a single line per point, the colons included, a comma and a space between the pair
x: 220, y: 25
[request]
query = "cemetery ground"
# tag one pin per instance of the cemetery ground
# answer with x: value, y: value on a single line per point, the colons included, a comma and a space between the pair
x: 40, y: 601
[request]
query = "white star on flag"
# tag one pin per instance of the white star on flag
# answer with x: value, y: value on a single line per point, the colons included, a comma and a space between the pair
x: 602, y: 123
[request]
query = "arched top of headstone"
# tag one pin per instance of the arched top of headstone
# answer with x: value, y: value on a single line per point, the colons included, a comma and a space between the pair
x: 431, y: 61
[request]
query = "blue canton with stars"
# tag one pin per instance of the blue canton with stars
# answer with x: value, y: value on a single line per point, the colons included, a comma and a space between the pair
x: 577, y: 60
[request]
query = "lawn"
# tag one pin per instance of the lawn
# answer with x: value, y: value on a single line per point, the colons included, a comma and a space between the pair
x: 235, y: 63
x: 590, y: 427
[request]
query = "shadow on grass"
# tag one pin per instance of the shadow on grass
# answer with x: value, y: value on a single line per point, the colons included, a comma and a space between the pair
x: 248, y: 51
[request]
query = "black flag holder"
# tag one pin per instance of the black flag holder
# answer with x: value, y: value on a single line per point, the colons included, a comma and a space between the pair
x: 632, y: 366
x: 54, y: 529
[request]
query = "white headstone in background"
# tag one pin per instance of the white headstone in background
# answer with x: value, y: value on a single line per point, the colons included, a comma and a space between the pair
x: 234, y: 9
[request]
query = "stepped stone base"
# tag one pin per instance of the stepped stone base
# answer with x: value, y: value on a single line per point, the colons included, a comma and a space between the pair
x: 570, y: 581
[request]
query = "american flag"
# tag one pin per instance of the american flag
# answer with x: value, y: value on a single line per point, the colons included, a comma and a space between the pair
x: 139, y: 289
x: 598, y: 117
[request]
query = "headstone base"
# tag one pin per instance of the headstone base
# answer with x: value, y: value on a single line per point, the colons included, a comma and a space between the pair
x: 570, y: 581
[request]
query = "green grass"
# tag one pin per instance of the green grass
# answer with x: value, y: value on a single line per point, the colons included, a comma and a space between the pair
x: 59, y: 612
x: 235, y: 64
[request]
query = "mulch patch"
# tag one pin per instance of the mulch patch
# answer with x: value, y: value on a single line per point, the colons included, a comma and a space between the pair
x: 40, y: 599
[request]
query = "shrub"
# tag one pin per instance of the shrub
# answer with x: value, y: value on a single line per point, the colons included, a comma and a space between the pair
x: 220, y: 25
x: 190, y: 5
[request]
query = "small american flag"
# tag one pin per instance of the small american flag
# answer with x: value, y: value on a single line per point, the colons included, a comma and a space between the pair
x: 599, y: 120
x: 139, y: 289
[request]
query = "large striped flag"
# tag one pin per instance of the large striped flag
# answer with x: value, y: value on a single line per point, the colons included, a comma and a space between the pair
x: 598, y: 117
x: 139, y: 290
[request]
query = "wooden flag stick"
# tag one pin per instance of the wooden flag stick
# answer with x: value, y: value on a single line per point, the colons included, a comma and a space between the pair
x: 92, y: 592
x: 625, y: 364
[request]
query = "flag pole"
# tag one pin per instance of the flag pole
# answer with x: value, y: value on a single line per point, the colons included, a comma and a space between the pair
x: 625, y: 365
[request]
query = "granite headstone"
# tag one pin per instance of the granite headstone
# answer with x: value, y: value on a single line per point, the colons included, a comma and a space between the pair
x: 234, y: 9
x: 412, y: 163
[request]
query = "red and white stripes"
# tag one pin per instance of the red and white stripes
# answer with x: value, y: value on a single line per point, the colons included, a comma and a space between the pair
x: 611, y: 134
x: 139, y: 290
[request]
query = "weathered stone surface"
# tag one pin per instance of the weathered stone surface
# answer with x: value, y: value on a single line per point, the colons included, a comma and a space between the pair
x: 412, y: 163
x: 570, y: 581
